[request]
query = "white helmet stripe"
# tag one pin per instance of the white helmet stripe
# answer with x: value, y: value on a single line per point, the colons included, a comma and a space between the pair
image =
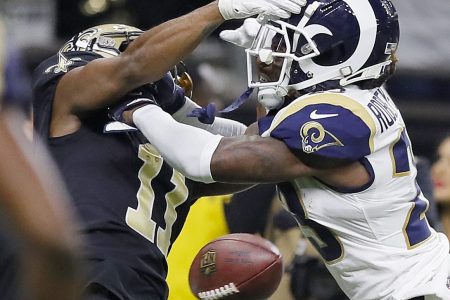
x: 368, y: 30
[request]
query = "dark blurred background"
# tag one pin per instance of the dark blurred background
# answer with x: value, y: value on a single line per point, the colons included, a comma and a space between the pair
x: 73, y: 16
x: 421, y: 86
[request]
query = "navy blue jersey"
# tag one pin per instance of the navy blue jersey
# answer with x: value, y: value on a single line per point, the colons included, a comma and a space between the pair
x: 131, y: 203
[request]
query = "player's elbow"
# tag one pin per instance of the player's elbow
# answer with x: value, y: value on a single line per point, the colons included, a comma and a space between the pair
x: 196, y: 165
x: 199, y: 171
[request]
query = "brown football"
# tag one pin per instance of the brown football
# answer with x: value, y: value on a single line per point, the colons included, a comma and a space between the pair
x: 236, y: 266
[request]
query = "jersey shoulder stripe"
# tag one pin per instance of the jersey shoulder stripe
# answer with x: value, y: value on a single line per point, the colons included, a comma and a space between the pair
x: 328, y: 124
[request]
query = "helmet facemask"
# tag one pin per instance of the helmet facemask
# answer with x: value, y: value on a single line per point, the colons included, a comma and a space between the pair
x: 275, y: 43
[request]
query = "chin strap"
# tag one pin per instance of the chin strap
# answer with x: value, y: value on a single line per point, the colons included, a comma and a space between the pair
x: 372, y: 72
x: 238, y: 102
x: 207, y: 114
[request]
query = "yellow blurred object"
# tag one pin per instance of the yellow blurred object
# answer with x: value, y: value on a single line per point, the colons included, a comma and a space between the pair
x: 205, y: 222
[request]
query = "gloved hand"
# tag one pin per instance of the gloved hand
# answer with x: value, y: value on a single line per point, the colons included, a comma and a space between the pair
x: 239, y: 9
x: 206, y: 115
x: 117, y: 112
x: 244, y: 35
x: 169, y: 95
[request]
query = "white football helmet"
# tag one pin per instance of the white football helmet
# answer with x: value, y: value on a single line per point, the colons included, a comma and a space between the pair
x: 330, y: 44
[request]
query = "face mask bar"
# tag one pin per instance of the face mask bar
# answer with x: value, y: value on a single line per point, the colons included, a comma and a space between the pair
x: 262, y: 51
x: 113, y: 43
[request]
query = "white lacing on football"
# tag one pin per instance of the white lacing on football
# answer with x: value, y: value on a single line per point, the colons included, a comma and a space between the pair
x: 219, y: 293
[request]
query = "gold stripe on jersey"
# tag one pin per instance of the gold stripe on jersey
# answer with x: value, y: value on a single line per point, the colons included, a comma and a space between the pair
x: 333, y: 99
x: 310, y: 232
x: 298, y: 192
x: 394, y: 164
x: 408, y: 218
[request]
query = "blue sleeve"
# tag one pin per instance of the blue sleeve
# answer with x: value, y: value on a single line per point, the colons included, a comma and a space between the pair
x: 326, y: 129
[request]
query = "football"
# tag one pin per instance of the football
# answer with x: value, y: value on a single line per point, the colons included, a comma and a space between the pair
x: 236, y: 266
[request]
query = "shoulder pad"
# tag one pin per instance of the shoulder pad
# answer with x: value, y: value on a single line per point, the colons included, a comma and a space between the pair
x: 327, y: 124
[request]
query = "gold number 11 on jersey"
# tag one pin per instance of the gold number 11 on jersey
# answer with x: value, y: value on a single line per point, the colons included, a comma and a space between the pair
x: 140, y: 219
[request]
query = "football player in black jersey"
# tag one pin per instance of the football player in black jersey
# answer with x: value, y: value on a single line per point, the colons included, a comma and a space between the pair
x: 131, y: 203
x: 38, y: 248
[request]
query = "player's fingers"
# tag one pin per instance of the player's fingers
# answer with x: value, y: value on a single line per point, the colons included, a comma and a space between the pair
x: 275, y: 11
x: 291, y: 6
x: 231, y: 36
x: 251, y: 27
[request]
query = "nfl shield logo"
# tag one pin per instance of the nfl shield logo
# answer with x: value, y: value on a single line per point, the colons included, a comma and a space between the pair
x: 208, y: 263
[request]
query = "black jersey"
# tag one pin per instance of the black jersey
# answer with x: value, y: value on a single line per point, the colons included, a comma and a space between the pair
x: 132, y: 204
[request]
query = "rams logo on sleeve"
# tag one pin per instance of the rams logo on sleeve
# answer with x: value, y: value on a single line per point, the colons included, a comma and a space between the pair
x: 329, y: 124
x: 315, y: 137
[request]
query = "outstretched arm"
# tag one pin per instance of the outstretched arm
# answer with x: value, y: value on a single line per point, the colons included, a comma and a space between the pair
x: 205, y: 157
x: 152, y: 54
x: 147, y: 59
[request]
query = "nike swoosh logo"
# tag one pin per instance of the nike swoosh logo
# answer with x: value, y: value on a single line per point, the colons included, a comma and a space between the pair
x: 315, y: 116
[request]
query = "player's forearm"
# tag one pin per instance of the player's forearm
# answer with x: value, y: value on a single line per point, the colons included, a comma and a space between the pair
x: 186, y: 148
x: 253, y: 159
x: 205, y: 157
x: 160, y: 48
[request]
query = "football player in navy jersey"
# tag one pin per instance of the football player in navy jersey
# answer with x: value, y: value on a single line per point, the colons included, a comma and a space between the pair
x: 131, y: 203
x: 39, y: 256
x: 333, y: 140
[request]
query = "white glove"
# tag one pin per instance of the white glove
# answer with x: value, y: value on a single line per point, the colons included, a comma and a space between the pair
x: 239, y: 9
x: 242, y: 36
